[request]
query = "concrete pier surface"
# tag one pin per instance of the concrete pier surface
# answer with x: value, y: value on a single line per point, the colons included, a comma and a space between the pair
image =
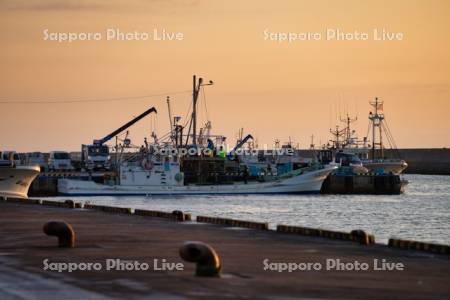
x: 25, y: 252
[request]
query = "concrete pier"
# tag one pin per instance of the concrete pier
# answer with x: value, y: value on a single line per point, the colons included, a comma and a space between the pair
x: 101, y: 236
x: 363, y: 184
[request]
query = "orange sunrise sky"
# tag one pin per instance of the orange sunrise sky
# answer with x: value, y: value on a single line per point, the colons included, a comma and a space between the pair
x: 273, y: 89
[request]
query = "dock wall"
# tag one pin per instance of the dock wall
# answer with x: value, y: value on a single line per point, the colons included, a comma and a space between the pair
x: 426, y: 161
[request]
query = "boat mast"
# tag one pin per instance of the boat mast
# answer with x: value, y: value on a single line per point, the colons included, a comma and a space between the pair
x: 377, y: 119
x: 348, y: 133
x: 312, y: 146
x: 373, y: 136
x: 337, y: 134
x: 195, y: 92
x: 170, y: 118
x: 194, y: 108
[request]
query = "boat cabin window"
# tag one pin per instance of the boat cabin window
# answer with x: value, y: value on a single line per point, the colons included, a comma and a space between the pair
x: 35, y: 155
x: 7, y: 155
x: 346, y: 159
x: 98, y: 150
x: 325, y: 156
x: 61, y: 155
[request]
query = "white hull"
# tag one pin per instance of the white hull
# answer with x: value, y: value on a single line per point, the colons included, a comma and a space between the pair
x: 15, y: 182
x: 395, y: 167
x: 309, y: 182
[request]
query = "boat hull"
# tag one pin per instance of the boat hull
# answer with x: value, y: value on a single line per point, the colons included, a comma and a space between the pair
x: 395, y: 167
x: 309, y: 182
x: 15, y: 182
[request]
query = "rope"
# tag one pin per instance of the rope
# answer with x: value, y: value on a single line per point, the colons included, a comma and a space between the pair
x: 204, y: 103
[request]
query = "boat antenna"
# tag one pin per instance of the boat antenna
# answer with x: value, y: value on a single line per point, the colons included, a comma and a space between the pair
x: 312, y: 146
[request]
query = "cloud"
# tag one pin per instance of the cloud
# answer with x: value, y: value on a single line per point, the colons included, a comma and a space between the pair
x: 53, y: 5
x: 73, y: 5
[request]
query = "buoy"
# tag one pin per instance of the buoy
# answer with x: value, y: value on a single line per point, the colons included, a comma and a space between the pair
x: 179, y: 214
x: 206, y: 258
x: 64, y: 232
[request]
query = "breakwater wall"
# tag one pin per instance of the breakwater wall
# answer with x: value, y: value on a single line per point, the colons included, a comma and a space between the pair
x: 432, y: 161
x: 426, y: 161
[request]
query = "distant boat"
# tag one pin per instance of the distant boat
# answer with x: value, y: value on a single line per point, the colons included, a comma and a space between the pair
x: 16, y: 180
x: 371, y: 156
x: 387, y: 166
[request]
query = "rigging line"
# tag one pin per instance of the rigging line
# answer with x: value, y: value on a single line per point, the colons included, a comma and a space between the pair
x: 200, y: 112
x: 204, y: 102
x: 188, y: 120
x: 155, y: 120
x: 189, y: 131
x: 165, y: 136
x: 90, y: 99
x: 368, y: 130
x: 153, y: 123
x: 186, y: 117
x: 388, y: 132
x: 393, y: 146
x: 383, y: 127
x: 397, y: 152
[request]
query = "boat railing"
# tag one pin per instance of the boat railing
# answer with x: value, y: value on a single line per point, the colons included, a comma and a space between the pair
x: 293, y: 173
x: 383, y: 160
x: 6, y: 163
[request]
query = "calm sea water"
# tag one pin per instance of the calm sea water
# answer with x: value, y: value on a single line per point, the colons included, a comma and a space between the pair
x: 422, y: 213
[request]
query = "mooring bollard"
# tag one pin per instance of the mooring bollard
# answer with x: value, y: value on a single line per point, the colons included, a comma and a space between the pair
x: 362, y: 237
x: 206, y: 258
x: 62, y: 230
x: 181, y: 216
x: 70, y: 203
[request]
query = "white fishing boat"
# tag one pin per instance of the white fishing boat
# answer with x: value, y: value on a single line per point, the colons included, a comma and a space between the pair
x: 167, y: 179
x: 196, y: 162
x: 16, y: 180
